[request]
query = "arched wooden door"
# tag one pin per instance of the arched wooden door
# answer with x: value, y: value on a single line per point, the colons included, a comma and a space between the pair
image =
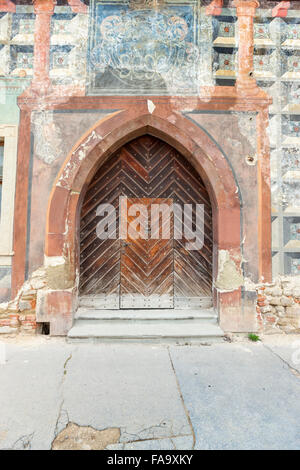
x: 146, y: 272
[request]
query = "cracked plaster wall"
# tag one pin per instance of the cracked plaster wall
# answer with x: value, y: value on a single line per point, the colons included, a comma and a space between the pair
x: 53, y: 137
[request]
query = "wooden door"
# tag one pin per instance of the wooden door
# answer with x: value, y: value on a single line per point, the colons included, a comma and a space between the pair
x: 147, y: 264
x: 144, y: 168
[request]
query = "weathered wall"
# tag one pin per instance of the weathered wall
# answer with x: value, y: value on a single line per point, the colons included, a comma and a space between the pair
x: 236, y: 135
x: 278, y: 305
x: 53, y: 135
x: 93, y: 56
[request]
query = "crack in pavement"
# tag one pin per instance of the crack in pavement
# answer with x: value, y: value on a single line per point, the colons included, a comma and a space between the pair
x: 22, y: 443
x: 62, y: 423
x: 182, y: 400
x: 294, y: 371
x: 127, y: 437
x: 155, y: 438
x: 26, y: 442
x: 136, y: 436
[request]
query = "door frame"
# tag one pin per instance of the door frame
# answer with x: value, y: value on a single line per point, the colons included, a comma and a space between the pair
x: 110, y: 133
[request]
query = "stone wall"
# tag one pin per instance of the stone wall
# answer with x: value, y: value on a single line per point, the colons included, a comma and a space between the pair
x: 278, y: 306
x: 19, y: 315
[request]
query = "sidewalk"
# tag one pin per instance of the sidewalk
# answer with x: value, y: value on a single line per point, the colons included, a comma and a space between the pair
x: 236, y: 395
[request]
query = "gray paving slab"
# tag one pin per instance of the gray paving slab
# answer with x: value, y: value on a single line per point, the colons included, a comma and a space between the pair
x: 131, y: 387
x: 176, y: 443
x: 152, y: 444
x: 287, y: 347
x: 239, y: 396
x: 183, y: 443
x: 30, y: 394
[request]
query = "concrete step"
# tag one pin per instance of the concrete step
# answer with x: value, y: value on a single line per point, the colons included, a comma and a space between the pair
x: 178, y: 331
x: 145, y: 314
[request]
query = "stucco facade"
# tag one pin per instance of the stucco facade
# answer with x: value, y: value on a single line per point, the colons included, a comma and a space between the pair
x: 80, y: 81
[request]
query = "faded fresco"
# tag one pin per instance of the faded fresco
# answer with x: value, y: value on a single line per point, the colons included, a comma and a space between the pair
x: 138, y: 50
x: 166, y: 48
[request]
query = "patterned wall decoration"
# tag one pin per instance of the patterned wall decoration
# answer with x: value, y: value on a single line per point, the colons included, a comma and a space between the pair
x: 69, y: 35
x: 136, y: 49
x: 277, y: 70
x: 124, y: 47
x: 48, y: 140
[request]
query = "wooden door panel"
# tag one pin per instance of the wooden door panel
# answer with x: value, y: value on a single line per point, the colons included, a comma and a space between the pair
x: 145, y: 168
x: 147, y: 265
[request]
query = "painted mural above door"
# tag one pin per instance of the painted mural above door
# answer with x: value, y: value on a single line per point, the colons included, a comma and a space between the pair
x: 141, y: 47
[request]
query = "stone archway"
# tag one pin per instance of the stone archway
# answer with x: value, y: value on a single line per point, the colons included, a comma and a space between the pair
x: 79, y: 168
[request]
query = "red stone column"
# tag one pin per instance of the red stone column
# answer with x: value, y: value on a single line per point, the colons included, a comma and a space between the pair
x: 21, y: 201
x: 214, y: 8
x: 43, y: 9
x: 281, y: 9
x: 245, y: 82
x: 7, y: 6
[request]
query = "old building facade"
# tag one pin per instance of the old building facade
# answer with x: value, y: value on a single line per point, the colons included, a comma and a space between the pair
x: 175, y: 102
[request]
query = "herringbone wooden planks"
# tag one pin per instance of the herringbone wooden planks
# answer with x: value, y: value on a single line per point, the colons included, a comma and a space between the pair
x: 147, y: 265
x: 144, y: 168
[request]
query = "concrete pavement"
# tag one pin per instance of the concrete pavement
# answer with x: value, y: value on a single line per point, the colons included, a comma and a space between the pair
x: 236, y: 395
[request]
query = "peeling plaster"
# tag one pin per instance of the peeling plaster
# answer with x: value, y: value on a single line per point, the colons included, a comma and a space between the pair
x: 229, y: 276
x: 54, y: 261
x: 78, y: 155
x: 47, y: 137
x: 59, y: 276
x: 75, y: 437
x: 249, y: 285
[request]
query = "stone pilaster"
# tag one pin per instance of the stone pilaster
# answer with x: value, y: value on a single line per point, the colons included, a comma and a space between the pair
x: 43, y: 9
x: 7, y: 6
x: 245, y: 82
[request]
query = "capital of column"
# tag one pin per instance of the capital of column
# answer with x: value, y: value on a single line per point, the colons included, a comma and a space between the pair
x: 214, y: 8
x: 7, y: 6
x: 44, y: 7
x: 281, y: 9
x: 246, y: 7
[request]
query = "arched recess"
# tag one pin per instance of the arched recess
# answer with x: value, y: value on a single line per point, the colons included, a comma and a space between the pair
x: 92, y: 151
x: 147, y: 273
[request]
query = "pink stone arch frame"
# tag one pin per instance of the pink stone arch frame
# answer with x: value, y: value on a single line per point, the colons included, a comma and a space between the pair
x: 94, y: 148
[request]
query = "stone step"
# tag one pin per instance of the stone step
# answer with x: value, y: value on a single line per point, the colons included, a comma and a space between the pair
x: 145, y: 314
x: 112, y: 301
x: 178, y: 331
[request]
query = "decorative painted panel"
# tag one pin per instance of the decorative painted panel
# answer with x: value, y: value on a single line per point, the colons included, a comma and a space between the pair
x: 138, y: 50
